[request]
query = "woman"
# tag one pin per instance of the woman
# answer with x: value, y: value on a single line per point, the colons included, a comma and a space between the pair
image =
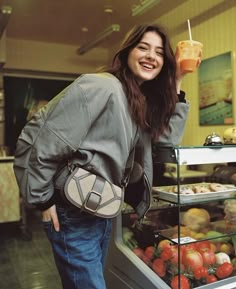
x: 97, y: 117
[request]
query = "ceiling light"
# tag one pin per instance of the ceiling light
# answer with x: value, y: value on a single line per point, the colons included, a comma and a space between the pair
x: 84, y: 29
x: 108, y: 10
x: 5, y: 12
x: 143, y: 7
x: 99, y: 38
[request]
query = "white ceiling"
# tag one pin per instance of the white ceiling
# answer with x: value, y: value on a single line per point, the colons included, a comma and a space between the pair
x: 61, y: 21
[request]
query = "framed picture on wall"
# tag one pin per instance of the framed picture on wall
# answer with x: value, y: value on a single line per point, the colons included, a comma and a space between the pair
x: 216, y: 90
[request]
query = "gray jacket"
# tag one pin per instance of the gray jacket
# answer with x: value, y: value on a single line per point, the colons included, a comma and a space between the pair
x: 74, y: 121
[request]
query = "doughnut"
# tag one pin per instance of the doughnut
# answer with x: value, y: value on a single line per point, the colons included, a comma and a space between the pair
x: 199, y: 189
x: 185, y: 190
x: 214, y: 187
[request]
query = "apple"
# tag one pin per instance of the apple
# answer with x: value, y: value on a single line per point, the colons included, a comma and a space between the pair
x: 208, y: 256
x: 191, y: 246
x: 192, y: 259
x: 164, y: 243
x: 203, y: 245
x: 226, y: 248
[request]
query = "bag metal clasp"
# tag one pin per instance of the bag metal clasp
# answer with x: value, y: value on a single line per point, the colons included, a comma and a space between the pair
x: 92, y: 201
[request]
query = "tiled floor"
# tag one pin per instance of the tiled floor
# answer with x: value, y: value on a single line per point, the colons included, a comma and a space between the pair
x: 26, y: 264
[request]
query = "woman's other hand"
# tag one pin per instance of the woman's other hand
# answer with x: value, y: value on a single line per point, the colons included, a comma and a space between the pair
x: 51, y: 215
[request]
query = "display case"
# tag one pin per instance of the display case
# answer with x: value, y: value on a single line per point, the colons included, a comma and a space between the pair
x: 12, y: 206
x: 9, y: 192
x: 188, y: 237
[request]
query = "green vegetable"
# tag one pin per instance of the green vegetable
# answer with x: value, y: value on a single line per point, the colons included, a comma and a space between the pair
x: 234, y: 242
x: 128, y: 238
x: 218, y: 237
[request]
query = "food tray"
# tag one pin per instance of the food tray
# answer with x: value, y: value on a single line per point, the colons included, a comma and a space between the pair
x: 164, y: 193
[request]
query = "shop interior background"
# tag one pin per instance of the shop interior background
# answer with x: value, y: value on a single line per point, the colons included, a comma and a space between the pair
x: 42, y: 39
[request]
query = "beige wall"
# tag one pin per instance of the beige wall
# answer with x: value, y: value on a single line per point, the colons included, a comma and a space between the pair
x: 216, y: 33
x: 50, y: 57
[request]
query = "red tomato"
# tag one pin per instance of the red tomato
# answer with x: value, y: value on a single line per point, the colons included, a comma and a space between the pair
x: 192, y: 259
x: 150, y: 252
x: 200, y: 273
x: 184, y: 283
x: 208, y: 256
x: 159, y: 267
x: 175, y: 255
x: 203, y: 245
x: 166, y: 254
x: 139, y: 252
x: 146, y: 260
x: 224, y: 270
x: 211, y: 279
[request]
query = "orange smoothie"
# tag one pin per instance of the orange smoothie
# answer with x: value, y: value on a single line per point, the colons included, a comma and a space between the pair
x: 188, y: 64
x: 189, y: 54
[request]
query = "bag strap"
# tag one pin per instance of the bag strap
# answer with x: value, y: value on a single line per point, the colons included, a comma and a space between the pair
x: 130, y: 162
x: 71, y: 164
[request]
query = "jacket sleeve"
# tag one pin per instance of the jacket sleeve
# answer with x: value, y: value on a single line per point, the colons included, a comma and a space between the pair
x: 176, y: 125
x: 53, y: 134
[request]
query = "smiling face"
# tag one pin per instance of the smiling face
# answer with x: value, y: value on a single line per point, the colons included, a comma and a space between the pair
x: 146, y: 59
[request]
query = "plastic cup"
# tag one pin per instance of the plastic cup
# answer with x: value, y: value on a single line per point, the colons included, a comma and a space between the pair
x: 189, y: 54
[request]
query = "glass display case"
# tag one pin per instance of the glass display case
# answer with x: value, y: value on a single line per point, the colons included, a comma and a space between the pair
x: 188, y: 237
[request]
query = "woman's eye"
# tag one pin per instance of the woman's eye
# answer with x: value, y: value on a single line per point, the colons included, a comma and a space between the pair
x: 142, y: 47
x: 160, y: 53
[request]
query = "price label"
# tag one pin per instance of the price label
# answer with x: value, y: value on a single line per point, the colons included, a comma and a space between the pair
x: 183, y: 240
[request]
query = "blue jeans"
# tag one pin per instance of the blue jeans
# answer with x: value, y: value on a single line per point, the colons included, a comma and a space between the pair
x: 80, y: 248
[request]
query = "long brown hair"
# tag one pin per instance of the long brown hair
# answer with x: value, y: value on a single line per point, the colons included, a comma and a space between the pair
x: 153, y: 103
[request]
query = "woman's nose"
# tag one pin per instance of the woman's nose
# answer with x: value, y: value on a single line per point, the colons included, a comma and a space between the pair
x: 150, y: 54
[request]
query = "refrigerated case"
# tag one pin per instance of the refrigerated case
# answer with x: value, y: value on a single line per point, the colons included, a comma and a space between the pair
x: 9, y: 192
x: 12, y: 207
x: 135, y: 245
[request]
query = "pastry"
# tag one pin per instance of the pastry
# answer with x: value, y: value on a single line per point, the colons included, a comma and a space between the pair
x: 230, y: 211
x: 215, y: 187
x: 199, y: 189
x: 185, y: 190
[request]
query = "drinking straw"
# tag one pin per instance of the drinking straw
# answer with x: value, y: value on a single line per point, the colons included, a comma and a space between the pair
x: 189, y: 31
